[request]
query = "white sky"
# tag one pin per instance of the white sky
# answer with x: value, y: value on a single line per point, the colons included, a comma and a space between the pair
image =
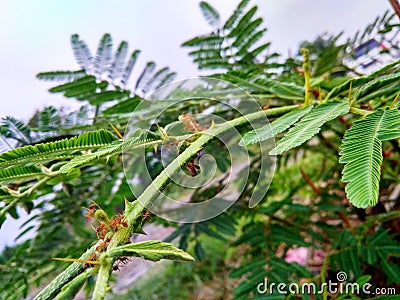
x: 34, y: 37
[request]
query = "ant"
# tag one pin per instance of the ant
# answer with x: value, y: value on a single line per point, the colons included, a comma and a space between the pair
x: 103, y: 244
x: 90, y: 213
x: 121, y: 262
x: 146, y: 215
x: 118, y: 221
x: 192, y: 168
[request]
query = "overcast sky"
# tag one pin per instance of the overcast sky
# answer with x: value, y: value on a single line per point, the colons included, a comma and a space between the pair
x: 35, y: 35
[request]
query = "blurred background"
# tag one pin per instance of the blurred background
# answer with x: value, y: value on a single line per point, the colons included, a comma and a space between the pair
x: 35, y: 36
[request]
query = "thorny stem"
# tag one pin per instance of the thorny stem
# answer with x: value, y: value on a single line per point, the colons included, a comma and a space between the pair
x: 306, y: 70
x: 134, y: 210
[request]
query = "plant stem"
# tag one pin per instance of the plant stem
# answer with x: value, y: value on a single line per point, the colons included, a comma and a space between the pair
x: 359, y: 111
x: 306, y: 70
x: 73, y: 270
x: 134, y: 210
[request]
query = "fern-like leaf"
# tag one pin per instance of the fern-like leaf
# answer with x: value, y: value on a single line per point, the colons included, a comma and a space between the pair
x: 233, y: 19
x: 19, y: 172
x: 61, y: 75
x: 4, y: 144
x: 124, y: 106
x: 115, y: 148
x: 39, y: 153
x: 376, y: 84
x: 129, y: 67
x: 151, y: 250
x: 161, y: 77
x: 210, y: 14
x: 106, y: 96
x: 145, y: 76
x: 88, y: 79
x: 310, y: 125
x: 16, y: 129
x: 103, y: 55
x: 270, y: 130
x: 117, y: 67
x: 361, y: 151
x: 82, y: 53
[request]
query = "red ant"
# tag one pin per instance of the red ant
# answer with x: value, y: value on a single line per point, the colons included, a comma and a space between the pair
x: 91, y: 257
x: 90, y: 212
x: 103, y: 244
x: 101, y: 231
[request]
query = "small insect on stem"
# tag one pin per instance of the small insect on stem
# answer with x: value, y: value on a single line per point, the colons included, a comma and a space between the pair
x: 118, y: 221
x: 103, y: 244
x: 191, y: 124
x: 90, y: 213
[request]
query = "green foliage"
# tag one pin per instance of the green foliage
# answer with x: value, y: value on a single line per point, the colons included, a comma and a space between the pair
x: 281, y: 124
x: 362, y: 152
x: 309, y: 125
x: 56, y: 165
x: 151, y: 250
x: 375, y: 249
x: 231, y: 45
x: 41, y: 153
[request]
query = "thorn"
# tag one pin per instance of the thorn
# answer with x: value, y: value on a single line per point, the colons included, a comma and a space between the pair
x: 126, y: 201
x: 140, y: 231
x: 162, y: 131
x: 395, y: 100
x: 116, y: 131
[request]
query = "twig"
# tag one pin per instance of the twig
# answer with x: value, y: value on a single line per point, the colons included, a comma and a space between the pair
x: 396, y: 6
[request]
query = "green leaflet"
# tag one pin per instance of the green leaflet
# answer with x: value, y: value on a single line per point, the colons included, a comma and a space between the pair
x: 210, y: 14
x: 236, y: 43
x: 103, y: 54
x: 270, y: 130
x: 361, y: 151
x: 151, y: 250
x: 310, y: 125
x: 81, y: 52
x: 233, y: 19
x: 366, y: 84
x: 35, y: 154
x: 61, y: 75
x: 376, y: 84
x: 115, y: 148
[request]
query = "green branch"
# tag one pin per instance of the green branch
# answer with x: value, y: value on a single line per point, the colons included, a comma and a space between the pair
x: 134, y: 210
x: 306, y: 70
